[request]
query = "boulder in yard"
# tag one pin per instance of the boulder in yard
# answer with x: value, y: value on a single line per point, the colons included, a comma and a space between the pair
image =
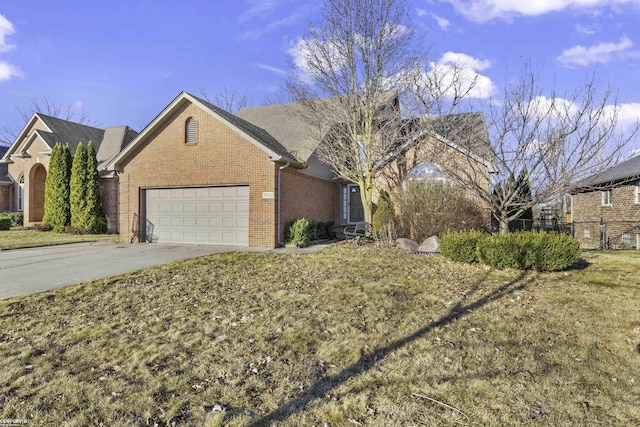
x: 407, y: 245
x: 432, y: 244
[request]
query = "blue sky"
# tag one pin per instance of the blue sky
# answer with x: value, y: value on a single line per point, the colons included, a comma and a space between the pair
x: 124, y: 61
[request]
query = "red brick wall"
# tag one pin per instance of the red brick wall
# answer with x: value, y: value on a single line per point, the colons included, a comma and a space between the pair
x: 220, y: 156
x: 304, y: 196
x: 622, y: 216
x: 5, y: 198
x: 109, y: 201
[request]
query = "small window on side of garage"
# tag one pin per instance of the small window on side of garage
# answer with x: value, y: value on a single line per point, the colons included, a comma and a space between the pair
x: 587, y: 233
x: 191, y: 131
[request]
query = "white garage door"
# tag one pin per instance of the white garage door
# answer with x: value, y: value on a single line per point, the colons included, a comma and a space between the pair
x: 206, y: 215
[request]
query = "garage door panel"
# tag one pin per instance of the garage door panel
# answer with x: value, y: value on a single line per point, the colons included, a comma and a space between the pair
x: 213, y: 215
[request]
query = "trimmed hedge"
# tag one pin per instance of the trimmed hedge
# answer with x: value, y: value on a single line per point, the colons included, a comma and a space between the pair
x: 5, y: 223
x: 302, y: 231
x: 17, y: 218
x: 527, y: 250
x: 461, y: 245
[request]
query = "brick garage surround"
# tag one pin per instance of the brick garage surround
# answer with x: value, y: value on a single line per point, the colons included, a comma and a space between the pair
x: 6, y: 195
x: 220, y: 156
x: 304, y: 196
x: 587, y: 210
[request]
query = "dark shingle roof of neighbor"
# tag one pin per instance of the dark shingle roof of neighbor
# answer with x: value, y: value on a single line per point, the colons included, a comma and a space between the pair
x: 4, y: 168
x: 107, y: 142
x: 624, y: 172
x: 253, y: 130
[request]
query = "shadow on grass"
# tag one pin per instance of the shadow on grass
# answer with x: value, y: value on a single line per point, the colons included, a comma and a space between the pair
x: 321, y: 388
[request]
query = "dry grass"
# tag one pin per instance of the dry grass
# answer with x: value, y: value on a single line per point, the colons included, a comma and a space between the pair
x: 18, y: 239
x: 346, y: 336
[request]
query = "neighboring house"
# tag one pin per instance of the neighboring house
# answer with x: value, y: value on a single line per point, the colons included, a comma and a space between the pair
x: 6, y: 184
x: 198, y: 174
x: 28, y: 161
x: 605, y: 208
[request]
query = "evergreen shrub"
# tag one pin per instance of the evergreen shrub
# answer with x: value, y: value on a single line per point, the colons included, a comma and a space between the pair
x: 5, y: 223
x: 461, y: 245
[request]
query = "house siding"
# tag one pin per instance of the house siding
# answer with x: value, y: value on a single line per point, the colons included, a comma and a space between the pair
x: 622, y: 216
x: 305, y: 196
x: 220, y: 156
x: 26, y: 166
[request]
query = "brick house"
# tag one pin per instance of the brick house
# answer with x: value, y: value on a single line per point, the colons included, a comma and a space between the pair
x: 605, y: 208
x: 198, y: 174
x: 6, y: 184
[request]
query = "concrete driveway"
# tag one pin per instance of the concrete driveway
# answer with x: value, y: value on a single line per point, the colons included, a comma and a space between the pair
x: 25, y: 271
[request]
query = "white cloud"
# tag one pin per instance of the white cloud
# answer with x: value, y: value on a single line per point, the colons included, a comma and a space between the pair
x: 443, y: 23
x: 628, y: 116
x: 6, y: 29
x: 463, y: 60
x: 459, y: 72
x: 8, y: 71
x: 599, y: 53
x: 274, y: 70
x: 582, y: 29
x: 274, y: 24
x: 486, y: 10
x: 421, y: 12
x: 258, y: 9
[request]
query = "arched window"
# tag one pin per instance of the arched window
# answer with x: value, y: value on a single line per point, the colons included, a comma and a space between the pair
x: 427, y: 172
x: 21, y: 193
x: 191, y: 130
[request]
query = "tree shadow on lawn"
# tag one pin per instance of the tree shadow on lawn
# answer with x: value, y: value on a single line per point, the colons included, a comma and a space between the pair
x: 320, y: 389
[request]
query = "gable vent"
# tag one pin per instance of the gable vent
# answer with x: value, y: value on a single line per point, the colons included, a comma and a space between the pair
x: 190, y: 130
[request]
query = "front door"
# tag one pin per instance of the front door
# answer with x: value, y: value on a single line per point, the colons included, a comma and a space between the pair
x: 356, y: 211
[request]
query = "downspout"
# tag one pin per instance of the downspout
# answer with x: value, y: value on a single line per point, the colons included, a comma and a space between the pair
x: 280, y: 169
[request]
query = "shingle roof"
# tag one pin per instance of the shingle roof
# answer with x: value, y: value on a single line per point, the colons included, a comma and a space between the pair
x: 286, y: 124
x: 624, y: 172
x: 115, y: 139
x: 66, y: 132
x: 253, y: 130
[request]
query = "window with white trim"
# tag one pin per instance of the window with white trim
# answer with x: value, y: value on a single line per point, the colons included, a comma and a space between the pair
x: 638, y: 192
x: 606, y: 198
x: 21, y: 193
x: 587, y: 233
x: 191, y: 131
x: 626, y: 239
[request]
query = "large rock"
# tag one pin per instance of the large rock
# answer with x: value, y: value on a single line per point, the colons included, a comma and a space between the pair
x: 432, y: 244
x: 407, y: 245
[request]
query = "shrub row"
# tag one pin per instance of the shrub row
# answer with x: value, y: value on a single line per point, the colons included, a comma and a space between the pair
x: 302, y: 231
x: 17, y: 218
x: 528, y: 250
x: 5, y: 223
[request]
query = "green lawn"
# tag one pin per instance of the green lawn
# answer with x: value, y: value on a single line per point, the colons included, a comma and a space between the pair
x: 16, y: 239
x: 346, y: 336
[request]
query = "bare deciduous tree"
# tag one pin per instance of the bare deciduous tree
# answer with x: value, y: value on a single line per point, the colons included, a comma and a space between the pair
x: 555, y: 140
x: 44, y: 105
x: 351, y: 74
x: 227, y: 100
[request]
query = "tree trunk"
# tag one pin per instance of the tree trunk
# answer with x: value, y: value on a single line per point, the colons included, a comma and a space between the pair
x: 504, y: 226
x: 366, y: 196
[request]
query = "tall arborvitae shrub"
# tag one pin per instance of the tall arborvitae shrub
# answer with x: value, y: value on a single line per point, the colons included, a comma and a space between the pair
x: 78, y: 188
x: 384, y: 212
x: 96, y: 221
x: 57, y: 212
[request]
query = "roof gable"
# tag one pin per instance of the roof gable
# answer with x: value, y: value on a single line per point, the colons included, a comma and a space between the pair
x: 256, y: 135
